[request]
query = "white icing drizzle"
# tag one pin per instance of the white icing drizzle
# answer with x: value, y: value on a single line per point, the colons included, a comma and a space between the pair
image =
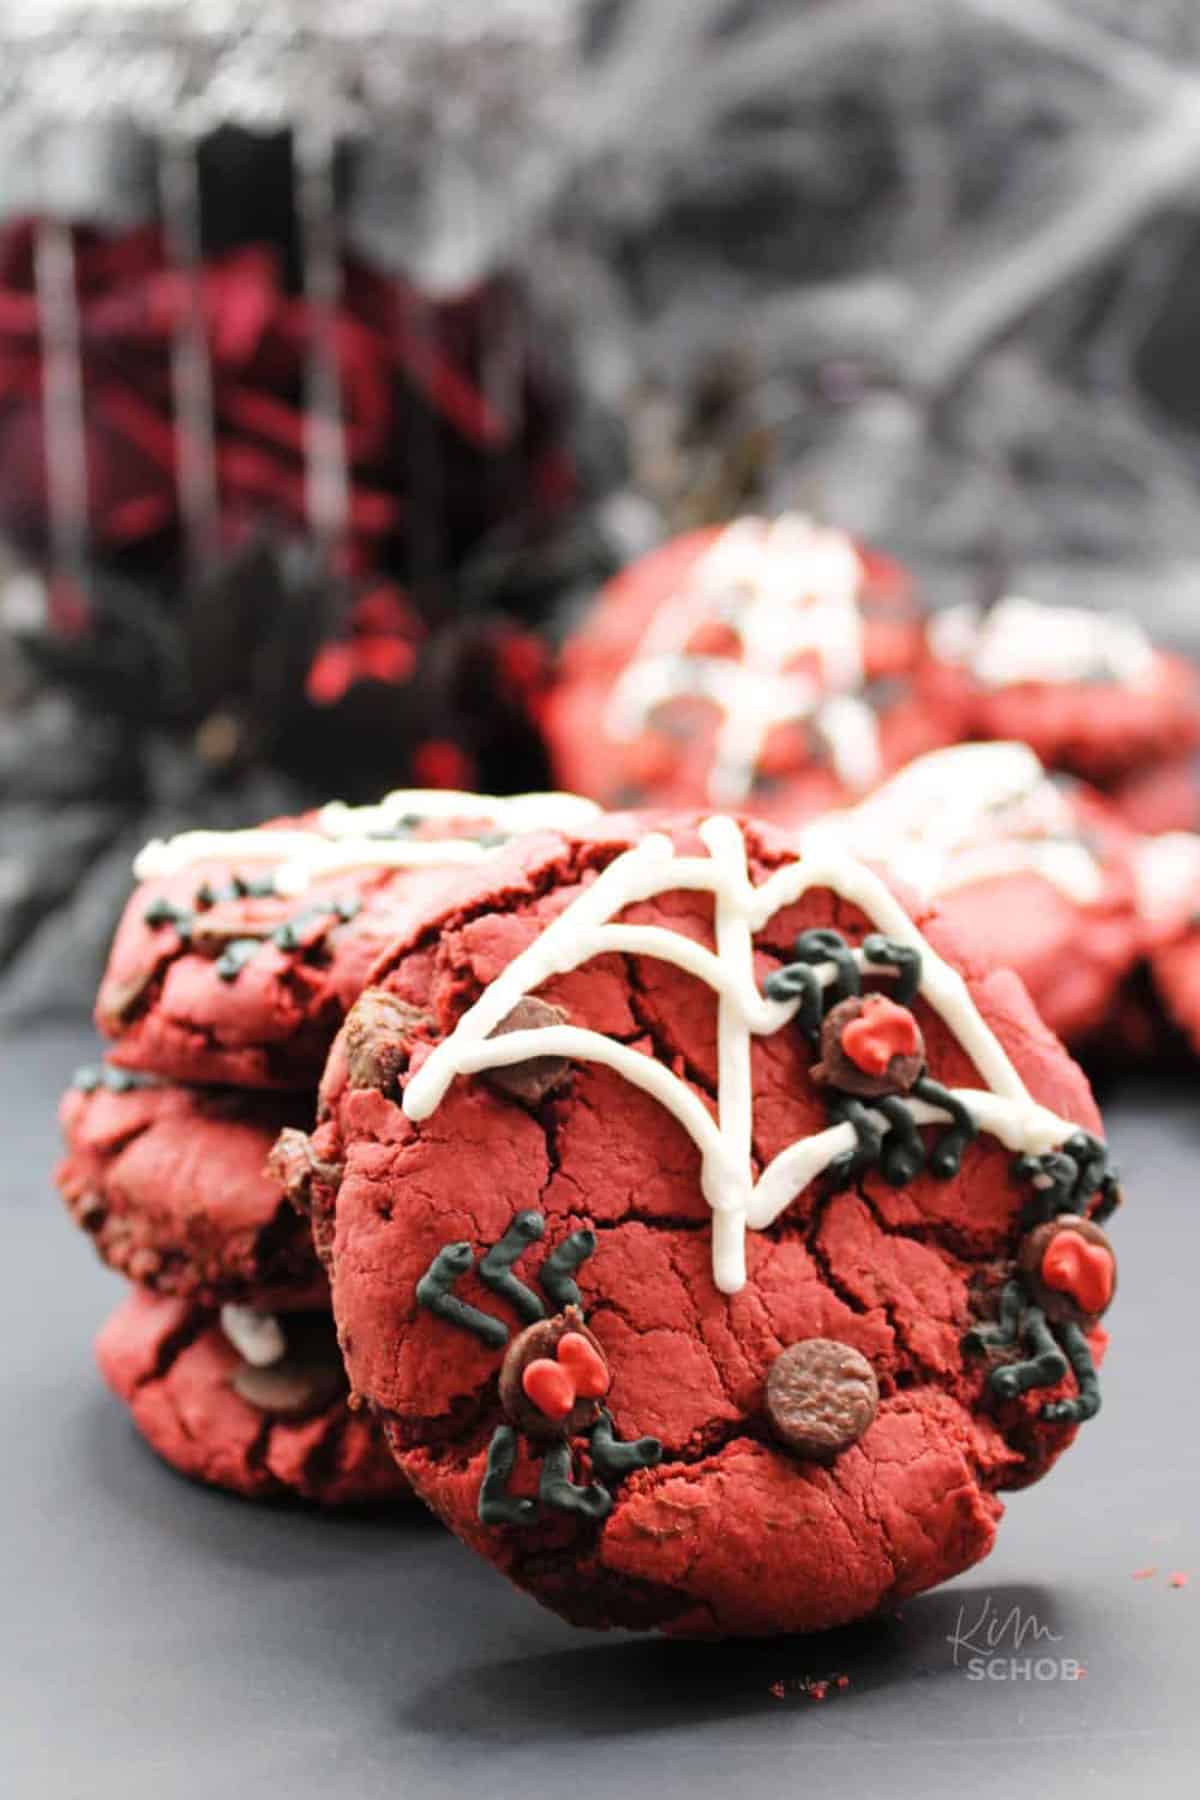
x: 256, y: 1336
x: 973, y: 813
x: 787, y: 589
x: 586, y: 929
x: 356, y: 837
x: 1167, y: 877
x: 1021, y: 640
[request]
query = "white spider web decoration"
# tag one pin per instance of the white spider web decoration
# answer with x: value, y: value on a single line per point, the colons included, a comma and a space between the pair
x: 371, y: 837
x: 973, y: 813
x: 787, y: 589
x: 1021, y: 640
x: 590, y: 927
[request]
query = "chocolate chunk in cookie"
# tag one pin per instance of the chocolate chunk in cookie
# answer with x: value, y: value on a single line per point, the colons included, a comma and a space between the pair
x: 821, y: 1397
x: 378, y: 1039
x: 308, y: 1379
x: 529, y: 1081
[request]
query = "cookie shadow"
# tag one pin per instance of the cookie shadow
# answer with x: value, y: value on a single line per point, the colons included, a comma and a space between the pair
x: 598, y: 1689
x: 617, y: 1688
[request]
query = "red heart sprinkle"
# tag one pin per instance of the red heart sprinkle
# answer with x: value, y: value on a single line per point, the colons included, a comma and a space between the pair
x: 881, y: 1031
x: 587, y: 1366
x: 1084, y: 1271
x: 550, y: 1386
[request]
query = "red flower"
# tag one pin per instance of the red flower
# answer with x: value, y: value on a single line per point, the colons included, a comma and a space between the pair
x: 411, y: 378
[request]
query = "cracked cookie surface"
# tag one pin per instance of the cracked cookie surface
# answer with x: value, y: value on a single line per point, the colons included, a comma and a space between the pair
x: 726, y: 1531
x: 173, y: 1367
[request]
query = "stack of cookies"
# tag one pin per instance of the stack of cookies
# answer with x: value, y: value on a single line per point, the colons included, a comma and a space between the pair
x: 236, y: 960
x: 700, y: 1214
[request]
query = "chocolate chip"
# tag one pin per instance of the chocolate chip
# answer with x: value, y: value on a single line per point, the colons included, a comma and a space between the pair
x: 377, y: 1039
x: 838, y: 1070
x: 1056, y: 1301
x: 308, y: 1380
x: 298, y: 1170
x: 535, y: 1343
x: 821, y: 1397
x: 529, y: 1081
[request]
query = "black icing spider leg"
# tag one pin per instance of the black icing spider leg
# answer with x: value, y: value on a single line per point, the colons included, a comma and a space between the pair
x: 821, y: 945
x: 557, y: 1489
x: 496, y: 1505
x: 1000, y: 1333
x: 869, y: 1147
x: 1086, y: 1404
x: 1044, y: 1368
x: 903, y: 1155
x: 1091, y: 1162
x: 1066, y: 1180
x: 557, y: 1275
x: 945, y: 1158
x: 612, y: 1459
x: 495, y: 1267
x: 1110, y: 1198
x: 887, y: 953
x: 1096, y: 1181
x: 1052, y: 1178
x: 434, y: 1291
x: 797, y: 980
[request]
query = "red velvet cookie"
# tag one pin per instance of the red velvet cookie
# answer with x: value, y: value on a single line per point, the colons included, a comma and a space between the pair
x: 767, y: 665
x: 1086, y: 690
x: 1035, y: 872
x: 1164, y: 797
x: 171, y: 1184
x: 267, y: 1434
x: 240, y: 952
x: 1169, y: 887
x: 682, y: 1243
x: 226, y: 1353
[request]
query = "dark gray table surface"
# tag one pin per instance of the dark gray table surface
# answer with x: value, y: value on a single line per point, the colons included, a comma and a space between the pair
x: 164, y: 1642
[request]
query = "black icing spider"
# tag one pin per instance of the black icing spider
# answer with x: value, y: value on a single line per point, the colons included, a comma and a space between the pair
x: 859, y: 1092
x: 553, y: 1377
x: 872, y: 1060
x: 1064, y: 1281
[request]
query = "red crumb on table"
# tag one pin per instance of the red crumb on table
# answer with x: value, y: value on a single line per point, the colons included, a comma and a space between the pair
x: 812, y: 1687
x: 1144, y: 1574
x: 1179, y: 1579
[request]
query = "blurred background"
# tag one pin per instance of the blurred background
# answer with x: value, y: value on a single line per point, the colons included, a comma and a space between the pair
x: 342, y: 357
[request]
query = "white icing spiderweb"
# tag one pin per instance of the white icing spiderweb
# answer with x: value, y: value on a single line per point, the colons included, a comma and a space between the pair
x: 373, y: 837
x: 788, y: 590
x: 972, y: 813
x: 591, y: 926
x: 1020, y: 640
